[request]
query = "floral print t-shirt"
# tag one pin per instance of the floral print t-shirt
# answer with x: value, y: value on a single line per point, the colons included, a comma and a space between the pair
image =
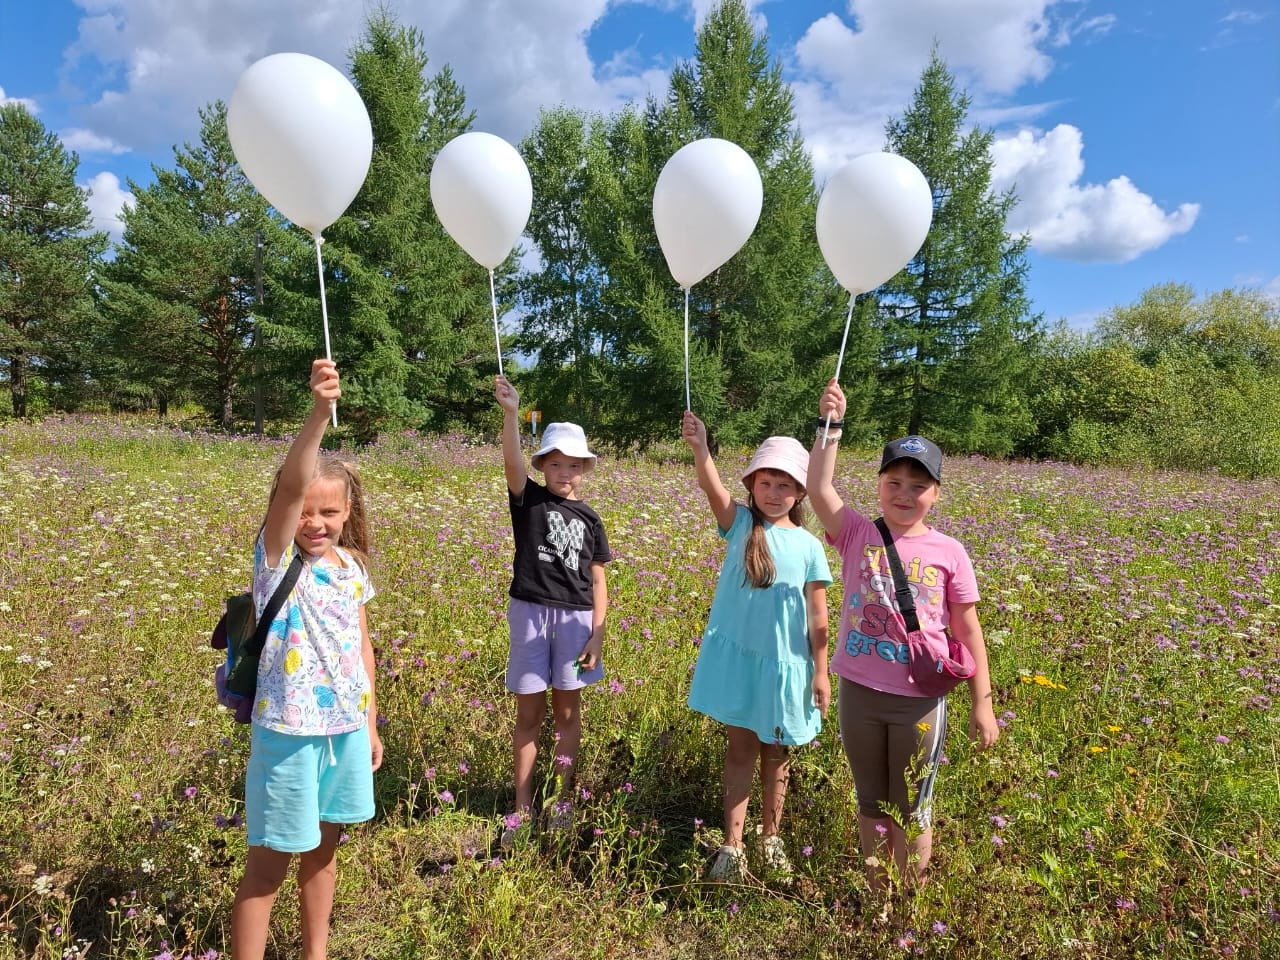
x: 311, y: 676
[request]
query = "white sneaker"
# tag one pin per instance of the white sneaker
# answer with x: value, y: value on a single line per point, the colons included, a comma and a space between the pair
x: 729, y: 866
x: 775, y: 855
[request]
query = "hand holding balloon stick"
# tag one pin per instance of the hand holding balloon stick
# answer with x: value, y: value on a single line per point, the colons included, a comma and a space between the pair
x: 873, y: 215
x: 302, y: 135
x: 706, y: 204
x: 482, y: 193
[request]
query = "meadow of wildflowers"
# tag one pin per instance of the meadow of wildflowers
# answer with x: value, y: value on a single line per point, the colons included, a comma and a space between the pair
x: 1129, y: 810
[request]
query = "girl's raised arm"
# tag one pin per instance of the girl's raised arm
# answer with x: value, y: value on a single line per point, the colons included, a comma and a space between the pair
x: 827, y: 504
x: 694, y: 432
x: 300, y: 464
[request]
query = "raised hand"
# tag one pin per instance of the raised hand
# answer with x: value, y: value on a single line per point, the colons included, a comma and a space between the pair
x: 508, y: 397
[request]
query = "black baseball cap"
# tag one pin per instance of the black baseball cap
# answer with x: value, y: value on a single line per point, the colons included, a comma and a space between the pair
x: 922, y: 451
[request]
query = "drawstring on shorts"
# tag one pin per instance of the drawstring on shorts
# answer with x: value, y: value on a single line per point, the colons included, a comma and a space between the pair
x: 333, y: 757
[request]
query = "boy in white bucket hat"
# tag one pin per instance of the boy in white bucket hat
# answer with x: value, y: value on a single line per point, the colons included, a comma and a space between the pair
x: 559, y: 599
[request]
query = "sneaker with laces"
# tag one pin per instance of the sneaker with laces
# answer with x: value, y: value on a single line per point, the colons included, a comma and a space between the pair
x: 775, y: 855
x: 729, y: 866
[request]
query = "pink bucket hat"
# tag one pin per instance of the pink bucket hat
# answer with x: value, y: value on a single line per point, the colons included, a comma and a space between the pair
x: 785, y: 454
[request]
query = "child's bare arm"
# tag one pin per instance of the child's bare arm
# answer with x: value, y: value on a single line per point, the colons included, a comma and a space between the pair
x: 512, y: 456
x: 983, y: 729
x: 370, y: 667
x: 721, y: 502
x: 827, y: 504
x: 591, y: 653
x: 816, y: 609
x: 300, y: 463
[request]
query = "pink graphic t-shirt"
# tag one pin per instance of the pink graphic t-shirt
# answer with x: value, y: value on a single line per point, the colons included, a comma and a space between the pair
x: 871, y: 647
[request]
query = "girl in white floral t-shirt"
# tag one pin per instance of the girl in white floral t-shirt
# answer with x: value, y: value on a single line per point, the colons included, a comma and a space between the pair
x: 314, y: 742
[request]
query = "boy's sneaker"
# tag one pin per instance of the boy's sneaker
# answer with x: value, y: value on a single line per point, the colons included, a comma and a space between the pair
x: 775, y: 855
x: 729, y: 866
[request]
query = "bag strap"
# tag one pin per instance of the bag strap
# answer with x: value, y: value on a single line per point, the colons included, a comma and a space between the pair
x: 906, y: 602
x: 259, y: 639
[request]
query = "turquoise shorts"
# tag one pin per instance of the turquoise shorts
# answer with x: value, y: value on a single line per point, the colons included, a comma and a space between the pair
x: 294, y: 783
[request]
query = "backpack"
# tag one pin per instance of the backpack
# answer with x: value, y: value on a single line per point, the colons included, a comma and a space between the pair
x: 236, y: 678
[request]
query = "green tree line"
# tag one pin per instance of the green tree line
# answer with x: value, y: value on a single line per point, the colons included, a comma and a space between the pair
x: 211, y: 300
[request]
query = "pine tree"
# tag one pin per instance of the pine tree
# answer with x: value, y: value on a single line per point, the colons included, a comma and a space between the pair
x: 48, y: 258
x: 957, y: 339
x: 760, y: 326
x: 562, y: 299
x: 179, y: 297
x: 409, y: 311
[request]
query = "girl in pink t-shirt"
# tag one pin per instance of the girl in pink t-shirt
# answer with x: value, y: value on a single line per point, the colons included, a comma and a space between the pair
x: 893, y: 735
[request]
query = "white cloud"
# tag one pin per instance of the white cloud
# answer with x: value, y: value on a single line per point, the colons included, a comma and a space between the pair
x: 856, y: 72
x: 1113, y: 222
x: 21, y: 101
x: 996, y: 42
x: 107, y: 198
x: 1247, y: 17
x: 1271, y: 289
x: 849, y: 74
x: 513, y: 57
x: 86, y: 141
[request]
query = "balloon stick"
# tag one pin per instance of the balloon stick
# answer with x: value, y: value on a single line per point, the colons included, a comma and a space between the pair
x: 826, y: 430
x: 493, y: 298
x: 324, y: 315
x: 688, y: 402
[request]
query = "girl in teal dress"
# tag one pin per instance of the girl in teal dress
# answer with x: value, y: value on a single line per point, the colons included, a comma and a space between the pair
x: 762, y: 666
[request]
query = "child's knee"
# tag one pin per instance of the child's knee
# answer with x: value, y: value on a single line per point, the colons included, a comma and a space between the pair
x: 530, y: 711
x: 567, y: 707
x: 264, y: 872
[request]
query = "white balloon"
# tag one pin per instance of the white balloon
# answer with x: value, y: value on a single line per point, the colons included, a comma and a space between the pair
x: 873, y: 215
x: 302, y: 136
x: 482, y: 193
x: 706, y: 203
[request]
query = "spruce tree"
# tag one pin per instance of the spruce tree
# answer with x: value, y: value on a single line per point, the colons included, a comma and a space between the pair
x: 956, y: 334
x: 48, y: 257
x: 410, y: 317
x: 762, y: 328
x: 180, y: 295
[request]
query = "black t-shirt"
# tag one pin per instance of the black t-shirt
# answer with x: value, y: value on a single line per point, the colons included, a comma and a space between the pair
x: 557, y: 541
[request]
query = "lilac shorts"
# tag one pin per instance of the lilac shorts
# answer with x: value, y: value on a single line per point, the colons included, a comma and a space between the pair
x: 545, y: 642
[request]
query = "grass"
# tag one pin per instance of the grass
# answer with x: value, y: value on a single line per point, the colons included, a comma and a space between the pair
x: 1129, y: 810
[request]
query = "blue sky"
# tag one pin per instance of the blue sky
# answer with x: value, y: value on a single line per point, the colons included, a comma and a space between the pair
x: 1142, y: 136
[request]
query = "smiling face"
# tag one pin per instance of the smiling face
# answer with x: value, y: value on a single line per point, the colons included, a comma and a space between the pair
x: 907, y: 493
x: 325, y: 510
x: 562, y: 473
x: 775, y: 493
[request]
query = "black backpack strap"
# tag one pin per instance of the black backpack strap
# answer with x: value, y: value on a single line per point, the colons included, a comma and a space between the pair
x: 259, y: 639
x: 906, y: 602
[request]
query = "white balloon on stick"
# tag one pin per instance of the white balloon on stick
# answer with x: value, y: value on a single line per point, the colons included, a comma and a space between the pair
x: 873, y: 216
x: 482, y: 193
x: 302, y: 135
x: 706, y: 204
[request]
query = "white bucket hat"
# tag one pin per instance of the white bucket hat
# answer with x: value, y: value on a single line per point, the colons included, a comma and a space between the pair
x: 785, y: 454
x: 569, y: 439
